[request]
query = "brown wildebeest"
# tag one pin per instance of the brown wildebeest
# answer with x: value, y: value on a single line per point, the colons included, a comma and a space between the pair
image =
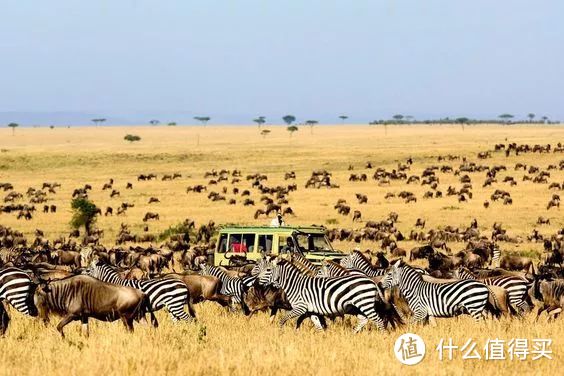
x: 362, y: 199
x: 517, y: 263
x: 260, y: 298
x: 151, y: 215
x: 551, y: 293
x: 543, y: 221
x: 129, y: 186
x: 420, y: 222
x: 357, y: 216
x: 81, y: 297
x: 109, y: 211
x: 203, y: 287
x: 62, y: 257
x: 153, y: 199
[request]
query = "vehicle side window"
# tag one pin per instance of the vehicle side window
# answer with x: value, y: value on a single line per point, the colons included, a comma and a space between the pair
x: 248, y: 243
x: 222, y: 243
x: 265, y: 243
x: 234, y: 242
x: 286, y: 244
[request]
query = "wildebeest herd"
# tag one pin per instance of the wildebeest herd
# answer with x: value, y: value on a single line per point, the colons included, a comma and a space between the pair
x: 79, y: 277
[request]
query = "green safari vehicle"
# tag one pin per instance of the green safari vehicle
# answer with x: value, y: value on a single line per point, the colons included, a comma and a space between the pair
x: 251, y: 243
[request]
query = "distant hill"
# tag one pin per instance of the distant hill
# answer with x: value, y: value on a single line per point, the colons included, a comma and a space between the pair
x: 57, y: 118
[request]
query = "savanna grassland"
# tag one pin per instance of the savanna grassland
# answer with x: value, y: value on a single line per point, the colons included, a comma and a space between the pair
x: 227, y: 343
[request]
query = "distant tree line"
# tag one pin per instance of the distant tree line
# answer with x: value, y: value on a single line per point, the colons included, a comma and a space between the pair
x: 504, y: 119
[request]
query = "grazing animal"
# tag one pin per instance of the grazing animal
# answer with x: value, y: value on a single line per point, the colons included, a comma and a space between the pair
x: 81, y: 297
x: 203, y: 287
x: 516, y: 287
x: 337, y: 296
x: 357, y: 216
x: 150, y: 215
x: 231, y: 286
x: 551, y: 293
x: 356, y: 260
x: 15, y: 288
x: 428, y: 300
x: 162, y: 292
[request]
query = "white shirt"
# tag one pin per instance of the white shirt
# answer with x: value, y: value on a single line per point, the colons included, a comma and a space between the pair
x: 276, y: 223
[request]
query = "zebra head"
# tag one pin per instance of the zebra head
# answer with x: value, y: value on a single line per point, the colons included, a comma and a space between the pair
x: 205, y: 269
x: 94, y: 270
x: 323, y: 270
x: 392, y: 278
x: 347, y: 262
x: 261, y: 265
x: 269, y: 275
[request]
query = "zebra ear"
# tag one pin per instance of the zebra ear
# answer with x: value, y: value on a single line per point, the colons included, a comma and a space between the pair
x: 397, y: 264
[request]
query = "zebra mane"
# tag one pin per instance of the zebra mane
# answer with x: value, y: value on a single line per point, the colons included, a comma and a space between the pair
x: 303, y: 269
x: 335, y: 265
x: 303, y: 261
x: 363, y: 257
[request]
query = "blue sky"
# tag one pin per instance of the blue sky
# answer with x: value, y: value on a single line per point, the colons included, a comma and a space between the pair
x: 235, y: 60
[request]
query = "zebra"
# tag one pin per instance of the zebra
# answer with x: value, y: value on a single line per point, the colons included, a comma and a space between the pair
x: 357, y: 260
x: 332, y: 269
x: 16, y: 288
x: 496, y: 256
x: 231, y: 286
x: 517, y: 288
x: 428, y: 300
x: 167, y: 293
x: 333, y: 296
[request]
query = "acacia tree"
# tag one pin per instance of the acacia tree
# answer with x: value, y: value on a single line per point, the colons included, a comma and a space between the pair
x: 203, y: 119
x: 289, y: 119
x: 154, y: 122
x: 265, y: 132
x: 292, y: 129
x: 506, y: 118
x: 260, y: 121
x: 544, y: 119
x: 13, y: 126
x: 462, y: 121
x: 84, y: 214
x: 398, y: 118
x: 98, y: 121
x: 311, y: 123
x: 343, y: 118
x: 531, y: 116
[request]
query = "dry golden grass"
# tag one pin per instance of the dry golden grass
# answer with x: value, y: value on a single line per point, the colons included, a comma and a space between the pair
x: 232, y: 344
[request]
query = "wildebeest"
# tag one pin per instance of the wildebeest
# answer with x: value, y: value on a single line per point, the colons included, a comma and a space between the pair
x: 151, y: 215
x: 81, y: 297
x: 203, y: 287
x: 517, y: 263
x: 551, y: 293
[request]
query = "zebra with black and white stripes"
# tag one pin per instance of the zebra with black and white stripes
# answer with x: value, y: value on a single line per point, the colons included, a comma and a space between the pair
x: 428, y: 300
x: 330, y: 297
x: 16, y: 288
x: 231, y: 286
x: 168, y: 293
x: 517, y: 288
x: 357, y: 260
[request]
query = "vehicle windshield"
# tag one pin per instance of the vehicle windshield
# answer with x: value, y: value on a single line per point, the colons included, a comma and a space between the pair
x: 313, y: 242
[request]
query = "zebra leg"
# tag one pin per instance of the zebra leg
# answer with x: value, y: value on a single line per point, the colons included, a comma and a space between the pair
x: 177, y: 312
x: 477, y: 314
x: 369, y: 313
x: 362, y: 321
x: 297, y: 311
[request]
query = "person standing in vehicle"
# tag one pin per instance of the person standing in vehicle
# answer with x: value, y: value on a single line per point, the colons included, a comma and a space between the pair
x: 278, y: 221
